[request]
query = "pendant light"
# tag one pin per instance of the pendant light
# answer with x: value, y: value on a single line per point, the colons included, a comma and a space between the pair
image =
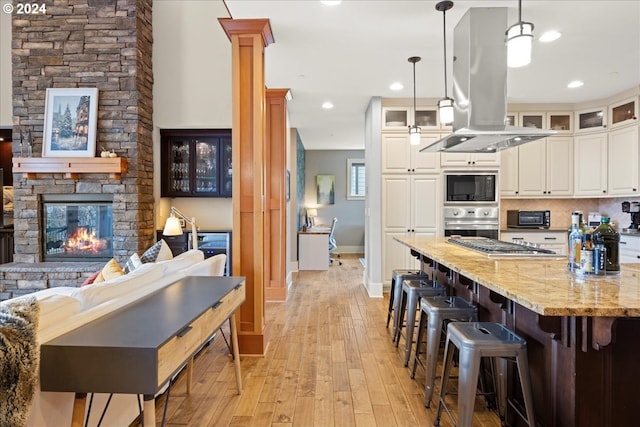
x: 445, y: 105
x: 519, y: 41
x: 414, y: 131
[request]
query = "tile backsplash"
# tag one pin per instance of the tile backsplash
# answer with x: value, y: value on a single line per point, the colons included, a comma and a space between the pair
x: 561, y: 209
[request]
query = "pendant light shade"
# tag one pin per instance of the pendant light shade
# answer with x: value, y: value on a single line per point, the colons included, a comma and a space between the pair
x: 445, y: 105
x: 519, y: 41
x: 414, y: 130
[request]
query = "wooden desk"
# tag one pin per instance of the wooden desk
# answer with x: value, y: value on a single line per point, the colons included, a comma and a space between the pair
x: 139, y: 348
x: 313, y: 249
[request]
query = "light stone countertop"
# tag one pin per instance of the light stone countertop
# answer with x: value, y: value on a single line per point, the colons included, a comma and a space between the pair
x: 540, y: 284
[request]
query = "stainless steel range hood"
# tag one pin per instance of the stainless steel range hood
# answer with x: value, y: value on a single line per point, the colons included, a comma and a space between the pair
x: 480, y: 87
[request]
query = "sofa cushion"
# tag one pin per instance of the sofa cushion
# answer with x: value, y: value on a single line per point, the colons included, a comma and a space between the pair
x: 158, y: 252
x: 110, y: 271
x: 132, y: 263
x: 182, y: 261
x: 89, y: 280
x: 56, y: 308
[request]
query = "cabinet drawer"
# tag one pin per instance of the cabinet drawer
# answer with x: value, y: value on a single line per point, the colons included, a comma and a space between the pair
x: 178, y: 349
x: 226, y: 306
x: 543, y: 238
x: 630, y: 243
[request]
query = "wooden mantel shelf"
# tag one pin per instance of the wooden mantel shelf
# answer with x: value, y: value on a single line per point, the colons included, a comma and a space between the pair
x: 70, y: 166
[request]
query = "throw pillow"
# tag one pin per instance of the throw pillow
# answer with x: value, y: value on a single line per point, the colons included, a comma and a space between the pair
x: 89, y: 280
x: 132, y: 263
x: 111, y: 270
x: 158, y: 252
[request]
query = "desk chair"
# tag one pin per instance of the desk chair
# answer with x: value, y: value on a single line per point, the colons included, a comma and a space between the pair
x: 332, y: 243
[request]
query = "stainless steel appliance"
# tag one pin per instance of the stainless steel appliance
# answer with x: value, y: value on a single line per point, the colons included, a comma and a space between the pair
x: 528, y: 219
x: 468, y: 188
x: 632, y: 208
x: 471, y: 221
x: 214, y: 243
x: 494, y: 248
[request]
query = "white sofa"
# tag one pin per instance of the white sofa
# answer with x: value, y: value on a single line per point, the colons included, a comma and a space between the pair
x: 63, y: 309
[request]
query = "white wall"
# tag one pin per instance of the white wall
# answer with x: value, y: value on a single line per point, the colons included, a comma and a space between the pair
x: 6, y: 108
x: 192, y: 89
x: 373, y: 207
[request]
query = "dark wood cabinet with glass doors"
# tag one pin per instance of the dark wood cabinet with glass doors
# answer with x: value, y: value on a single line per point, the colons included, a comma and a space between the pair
x: 195, y: 162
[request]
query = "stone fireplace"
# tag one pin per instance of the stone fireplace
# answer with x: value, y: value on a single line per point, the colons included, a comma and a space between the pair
x: 77, y: 227
x: 83, y: 43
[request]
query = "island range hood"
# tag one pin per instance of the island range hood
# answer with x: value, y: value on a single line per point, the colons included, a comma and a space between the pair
x: 480, y: 87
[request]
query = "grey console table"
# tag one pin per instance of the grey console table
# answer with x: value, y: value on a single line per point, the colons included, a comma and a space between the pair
x: 139, y: 348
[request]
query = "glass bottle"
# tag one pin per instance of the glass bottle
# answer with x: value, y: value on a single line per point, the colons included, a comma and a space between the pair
x: 606, y: 235
x: 586, y: 255
x: 575, y: 242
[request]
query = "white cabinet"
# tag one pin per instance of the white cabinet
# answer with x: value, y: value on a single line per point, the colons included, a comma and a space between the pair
x: 398, y: 156
x: 469, y: 159
x: 411, y: 206
x: 509, y: 172
x: 400, y: 118
x: 591, y: 120
x: 556, y: 241
x: 532, y: 120
x: 538, y: 169
x: 590, y: 165
x: 561, y: 122
x: 313, y: 251
x: 629, y: 248
x: 623, y: 161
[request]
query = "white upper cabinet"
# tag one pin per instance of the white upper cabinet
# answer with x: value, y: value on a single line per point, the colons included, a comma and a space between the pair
x: 623, y: 161
x: 624, y: 113
x: 396, y: 118
x: 561, y: 122
x: 400, y: 118
x: 509, y: 172
x: 469, y: 159
x: 399, y: 156
x: 559, y: 171
x: 591, y: 120
x: 590, y: 165
x: 532, y: 120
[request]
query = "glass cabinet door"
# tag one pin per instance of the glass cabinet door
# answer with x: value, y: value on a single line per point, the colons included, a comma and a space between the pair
x: 560, y: 122
x: 206, y: 164
x: 624, y: 112
x: 591, y: 120
x: 226, y: 168
x: 180, y: 166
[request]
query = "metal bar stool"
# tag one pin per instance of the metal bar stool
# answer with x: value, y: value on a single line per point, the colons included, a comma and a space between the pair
x: 397, y: 277
x: 434, y: 312
x: 412, y: 291
x: 483, y: 339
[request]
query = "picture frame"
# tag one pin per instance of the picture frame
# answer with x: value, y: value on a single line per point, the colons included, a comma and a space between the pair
x: 70, y: 122
x: 287, y: 186
x: 325, y: 187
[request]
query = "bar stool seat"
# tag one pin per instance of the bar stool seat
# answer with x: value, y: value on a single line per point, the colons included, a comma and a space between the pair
x: 434, y: 311
x: 475, y: 340
x: 412, y: 291
x: 397, y: 277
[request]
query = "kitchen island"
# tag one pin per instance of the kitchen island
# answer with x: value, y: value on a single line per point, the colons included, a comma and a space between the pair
x: 583, y: 333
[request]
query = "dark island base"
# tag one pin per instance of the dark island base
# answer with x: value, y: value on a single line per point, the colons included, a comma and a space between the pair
x: 584, y: 370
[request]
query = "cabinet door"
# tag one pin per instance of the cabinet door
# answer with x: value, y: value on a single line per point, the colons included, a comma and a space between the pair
x: 396, y: 153
x: 592, y: 120
x: 395, y: 118
x: 623, y: 161
x: 425, y: 162
x: 426, y: 118
x: 396, y: 198
x: 207, y: 167
x: 178, y: 164
x: 485, y: 159
x: 455, y: 159
x: 559, y: 170
x: 509, y: 172
x: 425, y: 204
x: 560, y: 122
x: 590, y: 165
x: 533, y: 120
x: 531, y: 168
x: 624, y: 113
x: 394, y: 255
x: 226, y: 166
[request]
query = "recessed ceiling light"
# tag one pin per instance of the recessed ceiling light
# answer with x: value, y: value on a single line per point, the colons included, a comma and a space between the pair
x: 550, y: 36
x: 574, y: 84
x: 331, y: 2
x: 327, y: 105
x: 396, y: 86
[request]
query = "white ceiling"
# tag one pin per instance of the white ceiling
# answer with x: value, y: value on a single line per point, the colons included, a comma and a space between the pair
x: 355, y: 50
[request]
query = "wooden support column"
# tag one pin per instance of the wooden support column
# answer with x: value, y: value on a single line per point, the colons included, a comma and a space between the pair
x: 249, y: 38
x: 275, y: 219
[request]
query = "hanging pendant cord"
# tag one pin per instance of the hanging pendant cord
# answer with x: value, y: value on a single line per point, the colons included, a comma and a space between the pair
x: 414, y: 94
x: 444, y: 38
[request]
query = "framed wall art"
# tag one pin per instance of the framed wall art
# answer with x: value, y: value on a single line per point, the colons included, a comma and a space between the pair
x: 70, y: 122
x: 326, y: 189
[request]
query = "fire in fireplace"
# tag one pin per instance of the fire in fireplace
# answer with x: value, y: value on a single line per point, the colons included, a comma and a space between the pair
x: 77, y: 227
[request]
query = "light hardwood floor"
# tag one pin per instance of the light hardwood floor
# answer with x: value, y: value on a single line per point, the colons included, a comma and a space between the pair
x: 330, y: 362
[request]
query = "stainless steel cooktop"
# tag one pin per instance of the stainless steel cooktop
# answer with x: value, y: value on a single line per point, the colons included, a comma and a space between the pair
x: 497, y: 248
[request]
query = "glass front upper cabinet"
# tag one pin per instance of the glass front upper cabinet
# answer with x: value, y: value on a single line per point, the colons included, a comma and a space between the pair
x: 511, y: 119
x: 624, y: 112
x: 593, y: 119
x: 427, y: 118
x: 532, y: 120
x: 395, y: 118
x: 560, y: 122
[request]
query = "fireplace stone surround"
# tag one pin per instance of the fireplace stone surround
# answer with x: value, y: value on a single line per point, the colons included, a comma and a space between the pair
x: 83, y: 43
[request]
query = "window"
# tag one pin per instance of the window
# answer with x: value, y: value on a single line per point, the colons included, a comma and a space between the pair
x: 355, y: 179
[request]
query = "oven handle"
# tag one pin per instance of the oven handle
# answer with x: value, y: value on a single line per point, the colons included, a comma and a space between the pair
x: 476, y: 226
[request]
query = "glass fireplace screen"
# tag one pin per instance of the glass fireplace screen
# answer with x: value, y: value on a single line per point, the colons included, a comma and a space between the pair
x: 77, y: 230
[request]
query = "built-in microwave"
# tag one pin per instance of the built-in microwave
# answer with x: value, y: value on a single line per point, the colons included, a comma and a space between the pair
x: 471, y: 188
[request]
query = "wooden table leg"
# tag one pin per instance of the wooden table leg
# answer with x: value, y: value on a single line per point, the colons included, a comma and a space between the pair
x: 189, y: 375
x: 236, y: 354
x: 149, y: 411
x: 79, y: 407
